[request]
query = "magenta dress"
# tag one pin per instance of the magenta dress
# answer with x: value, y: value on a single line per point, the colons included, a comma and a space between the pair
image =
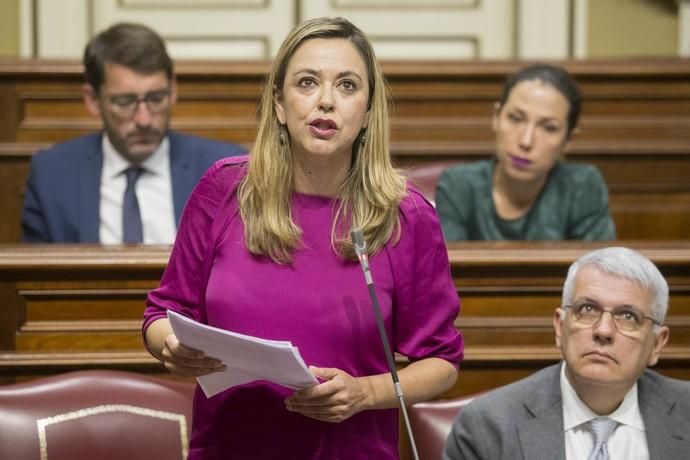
x: 320, y: 303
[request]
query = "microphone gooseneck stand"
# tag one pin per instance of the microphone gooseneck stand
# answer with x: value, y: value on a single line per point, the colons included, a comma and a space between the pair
x: 361, y: 249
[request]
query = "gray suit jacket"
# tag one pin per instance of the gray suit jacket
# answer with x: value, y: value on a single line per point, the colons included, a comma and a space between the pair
x: 524, y: 420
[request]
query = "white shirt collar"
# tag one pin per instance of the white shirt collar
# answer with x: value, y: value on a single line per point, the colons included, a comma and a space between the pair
x: 576, y: 412
x: 115, y: 164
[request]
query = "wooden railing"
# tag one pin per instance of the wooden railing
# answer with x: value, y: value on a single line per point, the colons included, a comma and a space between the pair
x: 635, y: 124
x: 629, y: 105
x: 73, y: 307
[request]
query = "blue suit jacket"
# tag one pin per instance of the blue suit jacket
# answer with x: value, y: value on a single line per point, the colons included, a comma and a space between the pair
x: 62, y: 198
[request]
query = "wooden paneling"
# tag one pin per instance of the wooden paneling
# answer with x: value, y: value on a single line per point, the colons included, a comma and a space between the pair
x: 635, y: 124
x: 636, y: 103
x: 43, y: 100
x: 14, y: 169
x: 72, y: 307
x: 77, y: 307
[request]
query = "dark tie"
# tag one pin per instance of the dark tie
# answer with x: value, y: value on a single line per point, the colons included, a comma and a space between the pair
x: 601, y: 428
x: 132, y: 229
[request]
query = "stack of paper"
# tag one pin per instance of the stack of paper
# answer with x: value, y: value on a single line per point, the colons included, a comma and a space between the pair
x: 247, y: 358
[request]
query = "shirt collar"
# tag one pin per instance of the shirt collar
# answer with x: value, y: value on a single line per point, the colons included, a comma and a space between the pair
x: 116, y: 164
x: 576, y: 412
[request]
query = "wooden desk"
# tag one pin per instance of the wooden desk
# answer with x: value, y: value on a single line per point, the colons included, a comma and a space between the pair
x: 78, y: 307
x: 74, y: 307
x: 635, y: 123
x: 442, y: 109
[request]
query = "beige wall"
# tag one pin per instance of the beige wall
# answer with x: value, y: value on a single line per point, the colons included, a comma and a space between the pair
x: 632, y: 28
x: 615, y: 28
x: 9, y: 27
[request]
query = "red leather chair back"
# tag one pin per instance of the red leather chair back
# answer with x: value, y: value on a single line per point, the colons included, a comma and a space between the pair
x: 96, y: 414
x: 431, y: 422
x: 426, y: 176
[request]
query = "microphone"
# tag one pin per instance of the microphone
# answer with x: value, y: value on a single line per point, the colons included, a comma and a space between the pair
x: 360, y: 246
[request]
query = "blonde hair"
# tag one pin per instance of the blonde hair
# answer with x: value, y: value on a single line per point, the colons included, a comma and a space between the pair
x: 370, y: 195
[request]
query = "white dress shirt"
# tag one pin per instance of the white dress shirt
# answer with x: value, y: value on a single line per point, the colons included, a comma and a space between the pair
x: 627, y: 442
x: 153, y: 190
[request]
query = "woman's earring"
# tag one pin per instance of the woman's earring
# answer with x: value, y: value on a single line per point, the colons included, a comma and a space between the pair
x: 363, y: 139
x: 282, y: 136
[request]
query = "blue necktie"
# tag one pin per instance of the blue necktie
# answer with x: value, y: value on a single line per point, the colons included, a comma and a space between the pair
x: 132, y: 229
x: 601, y: 428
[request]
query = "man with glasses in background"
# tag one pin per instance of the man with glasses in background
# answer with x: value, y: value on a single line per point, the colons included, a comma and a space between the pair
x: 601, y: 401
x: 129, y: 183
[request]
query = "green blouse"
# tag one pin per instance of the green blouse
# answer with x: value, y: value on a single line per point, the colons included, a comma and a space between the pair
x: 572, y: 206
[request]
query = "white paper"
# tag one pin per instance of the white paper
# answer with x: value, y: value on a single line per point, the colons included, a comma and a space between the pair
x: 247, y: 358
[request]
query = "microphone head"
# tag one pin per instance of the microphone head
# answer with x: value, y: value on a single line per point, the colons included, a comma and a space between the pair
x: 358, y: 241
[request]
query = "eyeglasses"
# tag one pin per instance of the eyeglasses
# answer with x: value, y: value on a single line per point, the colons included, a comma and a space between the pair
x: 126, y: 105
x: 626, y: 319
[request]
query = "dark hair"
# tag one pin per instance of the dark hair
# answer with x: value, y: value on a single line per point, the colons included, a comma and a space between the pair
x: 134, y: 46
x: 555, y: 76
